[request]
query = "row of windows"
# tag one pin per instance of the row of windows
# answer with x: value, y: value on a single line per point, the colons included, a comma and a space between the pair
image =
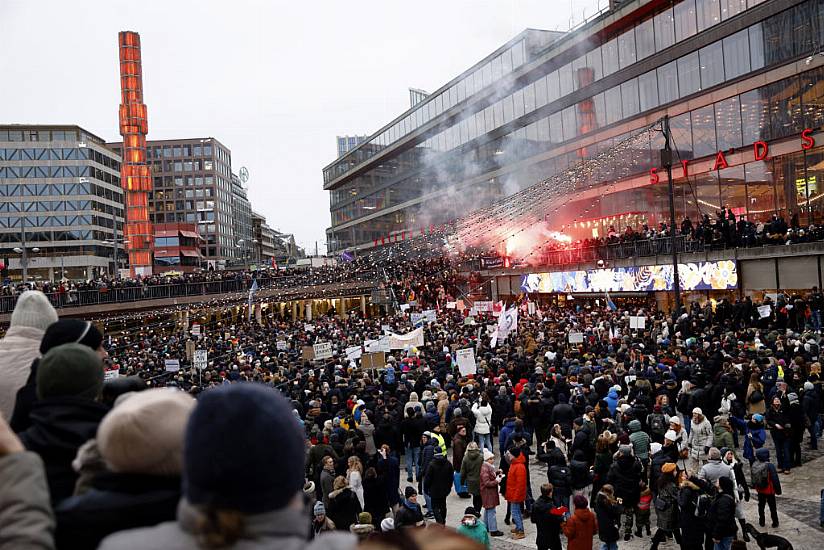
x: 45, y: 206
x: 7, y: 222
x: 45, y: 135
x: 656, y: 34
x: 180, y: 181
x: 59, y: 189
x: 178, y: 151
x: 490, y: 72
x: 747, y: 50
x: 53, y: 237
x: 45, y: 153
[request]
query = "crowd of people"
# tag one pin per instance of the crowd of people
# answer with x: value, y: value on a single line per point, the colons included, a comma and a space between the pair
x: 102, y: 444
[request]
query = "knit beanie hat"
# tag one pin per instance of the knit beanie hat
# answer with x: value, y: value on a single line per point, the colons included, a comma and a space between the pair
x: 364, y: 518
x: 68, y: 331
x: 580, y: 501
x: 144, y: 433
x: 70, y: 370
x: 320, y: 509
x: 34, y: 310
x: 219, y: 470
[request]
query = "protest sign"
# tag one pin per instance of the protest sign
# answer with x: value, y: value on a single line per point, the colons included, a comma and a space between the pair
x: 308, y: 353
x: 400, y: 341
x: 308, y: 328
x: 111, y: 374
x: 430, y: 315
x: 450, y: 305
x: 764, y: 311
x: 405, y: 307
x: 196, y: 329
x: 483, y: 306
x: 638, y: 322
x: 466, y: 361
x: 576, y: 337
x: 417, y: 319
x: 323, y: 350
x: 373, y: 360
x: 172, y: 365
x: 201, y: 358
x: 354, y: 352
x: 281, y: 345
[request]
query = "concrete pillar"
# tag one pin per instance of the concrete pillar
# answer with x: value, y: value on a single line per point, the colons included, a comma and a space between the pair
x: 342, y: 308
x: 294, y: 311
x: 363, y: 305
x: 51, y: 273
x: 308, y: 308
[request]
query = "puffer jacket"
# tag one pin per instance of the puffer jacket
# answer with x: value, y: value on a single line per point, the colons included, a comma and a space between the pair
x: 722, y: 437
x: 483, y: 418
x: 489, y: 486
x: 18, y: 349
x: 625, y: 475
x: 580, y: 474
x: 700, y: 437
x: 640, y: 440
x: 284, y: 529
x: 516, y: 484
x: 471, y: 471
x: 667, y: 519
x: 714, y: 470
x: 612, y: 401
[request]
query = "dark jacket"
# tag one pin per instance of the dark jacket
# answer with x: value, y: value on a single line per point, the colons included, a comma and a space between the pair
x: 408, y: 514
x: 625, y: 476
x: 437, y: 481
x: 667, y: 519
x: 580, y: 475
x: 59, y: 426
x: 547, y: 519
x: 693, y: 528
x: 343, y: 508
x: 374, y: 499
x: 561, y: 480
x: 114, y: 503
x: 471, y: 471
x: 609, y: 517
x: 722, y: 514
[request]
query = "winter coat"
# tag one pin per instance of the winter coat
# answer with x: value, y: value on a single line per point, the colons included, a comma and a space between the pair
x: 60, y: 425
x: 284, y: 529
x: 612, y: 401
x: 471, y: 471
x: 640, y: 440
x: 625, y: 475
x: 374, y: 499
x: 667, y: 519
x: 427, y: 455
x: 561, y: 479
x: 115, y: 502
x: 774, y: 485
x: 483, y: 418
x: 437, y: 482
x: 489, y: 486
x: 408, y: 514
x: 547, y: 519
x: 343, y: 508
x: 754, y: 438
x: 692, y: 527
x: 580, y: 475
x: 26, y: 519
x: 327, y: 482
x: 389, y: 470
x: 580, y: 528
x: 609, y: 518
x: 368, y: 431
x: 714, y: 470
x: 476, y: 532
x: 516, y: 482
x: 458, y: 449
x: 722, y: 437
x: 18, y: 349
x: 722, y: 515
x: 700, y: 438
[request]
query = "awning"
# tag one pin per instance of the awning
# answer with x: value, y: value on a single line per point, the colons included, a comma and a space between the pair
x: 190, y: 234
x: 165, y: 253
x: 189, y: 253
x: 165, y: 233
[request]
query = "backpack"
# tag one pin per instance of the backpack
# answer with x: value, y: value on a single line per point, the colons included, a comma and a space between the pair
x: 756, y: 397
x: 760, y: 475
x: 657, y: 423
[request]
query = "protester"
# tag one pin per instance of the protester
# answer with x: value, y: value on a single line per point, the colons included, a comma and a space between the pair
x: 666, y: 505
x: 581, y: 527
x: 766, y: 483
x: 722, y: 515
x: 344, y: 506
x: 471, y: 474
x: 516, y: 490
x: 474, y: 528
x: 608, y: 511
x: 548, y: 519
x: 437, y: 483
x: 409, y: 512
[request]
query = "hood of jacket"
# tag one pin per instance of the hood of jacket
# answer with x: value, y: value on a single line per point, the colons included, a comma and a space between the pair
x: 719, y: 430
x: 63, y: 422
x: 612, y: 394
x: 762, y: 454
x: 634, y: 426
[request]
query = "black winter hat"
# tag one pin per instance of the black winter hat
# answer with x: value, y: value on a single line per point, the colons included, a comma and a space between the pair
x: 70, y: 370
x: 244, y: 450
x: 71, y: 331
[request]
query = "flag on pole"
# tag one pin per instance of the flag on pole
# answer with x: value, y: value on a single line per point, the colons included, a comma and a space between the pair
x: 610, y: 304
x: 252, y: 292
x: 508, y: 322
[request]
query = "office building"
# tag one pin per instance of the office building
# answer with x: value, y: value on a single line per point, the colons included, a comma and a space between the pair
x: 347, y: 143
x: 192, y: 180
x: 245, y: 249
x: 177, y: 247
x: 61, y: 204
x: 264, y: 240
x: 743, y: 78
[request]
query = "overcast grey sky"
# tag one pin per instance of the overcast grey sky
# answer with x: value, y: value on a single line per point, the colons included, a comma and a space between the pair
x: 275, y: 81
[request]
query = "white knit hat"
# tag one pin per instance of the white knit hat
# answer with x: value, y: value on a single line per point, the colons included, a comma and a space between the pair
x: 144, y: 433
x: 34, y: 310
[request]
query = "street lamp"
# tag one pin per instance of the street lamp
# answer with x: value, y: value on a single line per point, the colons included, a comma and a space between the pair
x: 256, y: 244
x: 241, y: 244
x: 24, y: 259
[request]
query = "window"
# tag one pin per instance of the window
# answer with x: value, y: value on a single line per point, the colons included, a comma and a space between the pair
x: 756, y: 47
x: 540, y: 92
x: 566, y: 79
x: 612, y: 98
x: 664, y: 30
x: 730, y: 8
x: 728, y: 123
x: 570, y: 126
x: 736, y: 54
x: 610, y: 55
x: 648, y: 89
x: 629, y: 98
x: 626, y: 48
x: 594, y: 63
x: 689, y: 78
x: 703, y: 131
x: 778, y: 37
x: 712, y: 65
x: 685, y: 21
x: 708, y: 13
x: 553, y: 85
x: 645, y: 39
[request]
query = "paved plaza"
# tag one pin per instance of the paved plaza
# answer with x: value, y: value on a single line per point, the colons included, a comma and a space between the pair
x: 798, y: 509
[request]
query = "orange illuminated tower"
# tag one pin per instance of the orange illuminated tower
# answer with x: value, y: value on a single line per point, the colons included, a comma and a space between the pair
x: 135, y: 174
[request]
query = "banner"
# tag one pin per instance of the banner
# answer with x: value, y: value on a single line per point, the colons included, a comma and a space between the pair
x: 484, y: 306
x: 491, y: 262
x: 507, y: 322
x: 353, y: 353
x: 323, y: 350
x: 466, y: 361
x: 637, y: 322
x: 411, y: 339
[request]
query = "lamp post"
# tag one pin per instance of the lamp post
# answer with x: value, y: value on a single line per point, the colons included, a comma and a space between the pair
x: 241, y: 244
x: 666, y: 161
x: 24, y: 259
x: 256, y: 244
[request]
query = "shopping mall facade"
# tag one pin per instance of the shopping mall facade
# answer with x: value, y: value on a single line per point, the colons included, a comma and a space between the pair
x: 741, y: 81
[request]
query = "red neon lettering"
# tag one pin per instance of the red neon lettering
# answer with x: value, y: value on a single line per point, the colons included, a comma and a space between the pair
x: 653, y: 176
x: 807, y: 142
x: 684, y: 164
x: 760, y: 149
x: 720, y: 161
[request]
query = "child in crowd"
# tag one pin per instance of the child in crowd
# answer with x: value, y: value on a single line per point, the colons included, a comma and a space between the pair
x: 642, y: 513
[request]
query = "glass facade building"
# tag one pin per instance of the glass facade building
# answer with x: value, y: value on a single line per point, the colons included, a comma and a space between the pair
x: 60, y: 194
x: 729, y: 73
